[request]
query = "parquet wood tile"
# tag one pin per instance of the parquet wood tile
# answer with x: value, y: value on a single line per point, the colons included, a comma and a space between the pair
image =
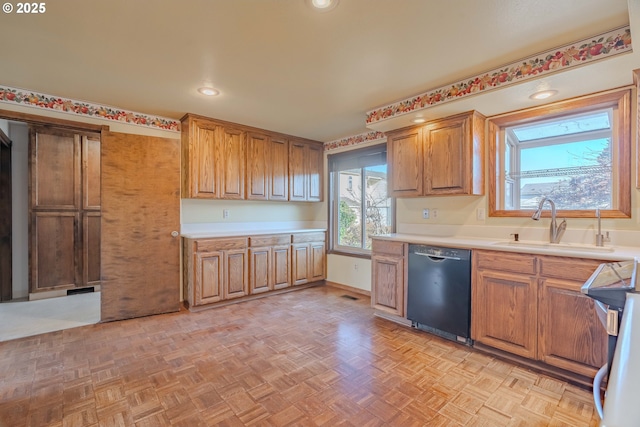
x: 307, y: 358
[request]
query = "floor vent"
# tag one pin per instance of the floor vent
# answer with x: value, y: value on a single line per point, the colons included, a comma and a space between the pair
x: 350, y: 297
x: 80, y: 291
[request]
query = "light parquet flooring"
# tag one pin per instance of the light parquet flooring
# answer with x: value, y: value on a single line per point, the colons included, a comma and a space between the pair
x: 307, y: 358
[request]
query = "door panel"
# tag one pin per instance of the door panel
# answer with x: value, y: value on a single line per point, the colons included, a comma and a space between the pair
x: 233, y: 161
x: 235, y: 274
x: 279, y: 185
x: 54, y: 263
x: 140, y: 209
x: 297, y: 172
x: 260, y: 261
x: 281, y: 275
x: 209, y: 277
x: 257, y: 166
x: 315, y: 173
x: 91, y: 248
x: 91, y: 173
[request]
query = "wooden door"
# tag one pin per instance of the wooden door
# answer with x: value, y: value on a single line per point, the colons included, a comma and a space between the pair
x: 571, y: 335
x: 281, y: 273
x: 209, y: 278
x: 140, y: 210
x: 260, y: 260
x: 445, y: 160
x: 504, y: 311
x: 405, y: 160
x: 298, y: 186
x: 387, y: 290
x: 314, y: 172
x: 279, y: 171
x: 316, y: 261
x: 6, y: 285
x: 258, y: 166
x: 232, y: 157
x: 236, y: 282
x: 300, y: 263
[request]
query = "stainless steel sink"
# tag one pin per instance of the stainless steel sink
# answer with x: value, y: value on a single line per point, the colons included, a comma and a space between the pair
x: 554, y: 246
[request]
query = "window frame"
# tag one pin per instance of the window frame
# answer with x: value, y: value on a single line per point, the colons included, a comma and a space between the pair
x: 334, y: 192
x: 619, y: 100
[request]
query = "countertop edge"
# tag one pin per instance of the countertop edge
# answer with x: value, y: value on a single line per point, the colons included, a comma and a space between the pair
x: 240, y: 233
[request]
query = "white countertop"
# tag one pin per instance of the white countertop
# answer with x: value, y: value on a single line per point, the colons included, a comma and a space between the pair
x: 607, y: 253
x: 242, y: 233
x: 621, y: 406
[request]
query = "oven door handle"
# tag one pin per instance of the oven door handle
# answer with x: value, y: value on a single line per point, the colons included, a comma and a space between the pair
x: 597, y: 382
x: 438, y: 257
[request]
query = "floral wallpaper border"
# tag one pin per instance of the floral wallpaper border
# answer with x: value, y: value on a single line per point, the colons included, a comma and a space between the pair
x: 354, y: 140
x: 10, y: 95
x: 595, y: 48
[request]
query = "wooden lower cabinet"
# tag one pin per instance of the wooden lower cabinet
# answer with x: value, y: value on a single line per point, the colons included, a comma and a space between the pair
x: 220, y: 269
x: 388, y: 272
x: 531, y: 306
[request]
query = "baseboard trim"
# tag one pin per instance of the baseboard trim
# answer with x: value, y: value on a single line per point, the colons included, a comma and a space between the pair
x: 348, y: 288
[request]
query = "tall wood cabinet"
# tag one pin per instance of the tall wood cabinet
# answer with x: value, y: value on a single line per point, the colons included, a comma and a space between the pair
x: 222, y: 160
x: 525, y: 305
x: 64, y: 209
x: 442, y: 157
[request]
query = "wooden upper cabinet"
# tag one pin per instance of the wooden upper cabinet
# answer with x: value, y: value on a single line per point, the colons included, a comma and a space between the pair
x: 442, y: 157
x: 279, y: 169
x: 55, y: 169
x: 404, y: 156
x: 305, y: 171
x: 258, y: 166
x: 222, y: 160
x: 233, y: 162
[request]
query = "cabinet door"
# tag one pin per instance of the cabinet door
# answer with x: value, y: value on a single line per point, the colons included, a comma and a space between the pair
x: 203, y: 161
x: 571, y: 336
x: 314, y: 171
x: 91, y: 173
x: 260, y: 260
x: 298, y: 186
x: 91, y: 248
x: 404, y: 154
x: 55, y: 169
x: 209, y: 277
x: 232, y: 157
x: 504, y: 311
x: 279, y: 171
x: 281, y: 273
x: 387, y: 287
x: 300, y: 263
x: 236, y: 282
x: 445, y: 157
x: 258, y: 155
x: 316, y: 261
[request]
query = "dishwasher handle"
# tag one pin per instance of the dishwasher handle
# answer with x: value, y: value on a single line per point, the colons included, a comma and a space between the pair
x: 438, y: 257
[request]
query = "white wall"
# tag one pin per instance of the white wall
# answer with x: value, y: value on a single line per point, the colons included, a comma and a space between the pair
x: 19, y: 135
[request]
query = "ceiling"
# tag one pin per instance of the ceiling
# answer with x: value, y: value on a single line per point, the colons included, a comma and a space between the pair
x: 282, y: 66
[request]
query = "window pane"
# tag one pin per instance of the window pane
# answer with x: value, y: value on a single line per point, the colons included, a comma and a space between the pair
x: 350, y: 208
x: 575, y: 175
x: 569, y: 126
x: 378, y: 205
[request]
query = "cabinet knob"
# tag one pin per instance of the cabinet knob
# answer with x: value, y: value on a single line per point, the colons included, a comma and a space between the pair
x: 174, y: 234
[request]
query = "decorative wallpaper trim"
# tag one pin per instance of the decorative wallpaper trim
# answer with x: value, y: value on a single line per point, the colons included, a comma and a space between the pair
x: 354, y: 140
x: 595, y: 48
x: 10, y: 95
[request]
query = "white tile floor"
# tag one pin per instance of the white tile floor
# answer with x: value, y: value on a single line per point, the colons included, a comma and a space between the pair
x: 27, y: 318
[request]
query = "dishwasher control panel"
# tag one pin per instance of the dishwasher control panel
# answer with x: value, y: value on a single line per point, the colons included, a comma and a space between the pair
x: 439, y: 252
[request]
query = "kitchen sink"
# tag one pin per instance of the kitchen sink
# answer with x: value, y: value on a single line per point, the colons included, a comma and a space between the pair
x: 554, y: 246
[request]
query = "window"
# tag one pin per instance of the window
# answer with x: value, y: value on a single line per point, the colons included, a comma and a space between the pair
x: 575, y: 152
x: 360, y: 206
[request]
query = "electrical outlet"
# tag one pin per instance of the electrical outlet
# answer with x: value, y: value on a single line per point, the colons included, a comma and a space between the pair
x: 480, y: 214
x: 355, y: 267
x: 434, y: 213
x: 225, y: 213
x: 425, y: 213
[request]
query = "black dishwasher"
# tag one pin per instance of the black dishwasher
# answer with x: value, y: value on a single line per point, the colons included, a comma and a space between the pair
x: 439, y: 291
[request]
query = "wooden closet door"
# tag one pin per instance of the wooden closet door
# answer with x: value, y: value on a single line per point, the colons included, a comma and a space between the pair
x: 140, y: 210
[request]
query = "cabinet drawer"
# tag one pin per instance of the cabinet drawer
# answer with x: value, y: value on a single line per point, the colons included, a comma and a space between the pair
x: 505, y: 261
x: 308, y: 237
x: 575, y: 269
x: 280, y: 239
x: 207, y: 245
x: 388, y: 247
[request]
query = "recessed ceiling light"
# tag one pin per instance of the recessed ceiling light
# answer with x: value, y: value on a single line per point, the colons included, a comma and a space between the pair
x: 544, y: 94
x: 208, y: 91
x: 419, y: 120
x: 323, y: 5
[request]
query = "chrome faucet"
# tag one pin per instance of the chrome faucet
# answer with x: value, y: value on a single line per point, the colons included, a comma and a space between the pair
x: 600, y: 238
x: 555, y: 231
